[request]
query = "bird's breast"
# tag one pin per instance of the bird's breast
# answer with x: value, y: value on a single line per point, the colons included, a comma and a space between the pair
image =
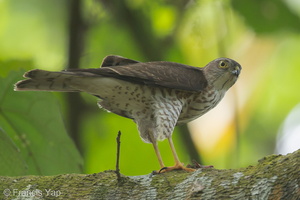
x: 199, y: 104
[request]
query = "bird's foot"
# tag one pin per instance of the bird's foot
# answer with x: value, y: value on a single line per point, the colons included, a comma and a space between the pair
x: 196, y: 165
x: 175, y: 167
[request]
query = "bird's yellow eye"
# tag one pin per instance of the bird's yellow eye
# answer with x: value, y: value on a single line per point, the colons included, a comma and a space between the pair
x: 223, y: 64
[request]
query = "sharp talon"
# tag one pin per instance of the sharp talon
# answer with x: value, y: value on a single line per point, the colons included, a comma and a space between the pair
x: 208, y: 166
x: 162, y: 169
x: 196, y: 165
x: 154, y: 172
x: 176, y: 167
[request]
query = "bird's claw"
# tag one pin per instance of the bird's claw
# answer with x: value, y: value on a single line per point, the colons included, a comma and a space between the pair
x: 196, y: 165
x: 176, y: 167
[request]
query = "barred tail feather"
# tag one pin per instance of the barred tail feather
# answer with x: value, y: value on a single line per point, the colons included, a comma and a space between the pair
x: 40, y: 80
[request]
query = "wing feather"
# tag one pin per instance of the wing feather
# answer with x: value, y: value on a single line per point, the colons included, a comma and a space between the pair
x: 158, y: 73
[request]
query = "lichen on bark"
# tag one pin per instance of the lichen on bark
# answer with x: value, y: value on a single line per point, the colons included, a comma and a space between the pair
x: 274, y: 177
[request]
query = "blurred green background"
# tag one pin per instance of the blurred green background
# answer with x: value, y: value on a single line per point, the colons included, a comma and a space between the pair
x: 43, y: 133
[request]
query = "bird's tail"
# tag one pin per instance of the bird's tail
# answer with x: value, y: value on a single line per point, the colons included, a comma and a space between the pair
x: 41, y: 80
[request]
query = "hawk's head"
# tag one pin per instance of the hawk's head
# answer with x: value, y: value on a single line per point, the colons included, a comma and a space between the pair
x: 222, y: 73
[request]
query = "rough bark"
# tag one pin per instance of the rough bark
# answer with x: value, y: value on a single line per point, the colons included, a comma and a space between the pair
x: 274, y: 177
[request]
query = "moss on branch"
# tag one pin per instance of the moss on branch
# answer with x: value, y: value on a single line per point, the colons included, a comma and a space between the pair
x: 274, y: 177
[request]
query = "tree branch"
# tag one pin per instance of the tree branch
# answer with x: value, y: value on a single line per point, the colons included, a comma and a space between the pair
x: 274, y: 177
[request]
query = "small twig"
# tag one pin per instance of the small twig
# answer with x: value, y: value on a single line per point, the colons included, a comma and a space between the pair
x: 118, y: 155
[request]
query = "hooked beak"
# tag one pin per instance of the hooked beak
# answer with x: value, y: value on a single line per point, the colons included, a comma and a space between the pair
x: 236, y: 71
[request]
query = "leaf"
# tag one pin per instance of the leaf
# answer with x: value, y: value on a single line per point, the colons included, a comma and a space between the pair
x: 12, y: 162
x: 33, y: 134
x: 267, y: 16
x: 7, y: 66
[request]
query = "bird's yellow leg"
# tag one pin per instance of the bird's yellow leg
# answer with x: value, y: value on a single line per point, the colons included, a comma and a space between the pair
x: 155, y: 146
x: 178, y: 164
x: 161, y: 163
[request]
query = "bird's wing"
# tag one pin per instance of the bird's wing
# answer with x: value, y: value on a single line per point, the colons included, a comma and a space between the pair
x: 113, y: 60
x: 159, y: 73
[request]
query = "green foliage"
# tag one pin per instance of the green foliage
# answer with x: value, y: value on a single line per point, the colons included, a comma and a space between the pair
x: 12, y: 163
x: 192, y: 33
x: 6, y: 66
x: 33, y: 136
x: 276, y: 96
x: 267, y: 16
